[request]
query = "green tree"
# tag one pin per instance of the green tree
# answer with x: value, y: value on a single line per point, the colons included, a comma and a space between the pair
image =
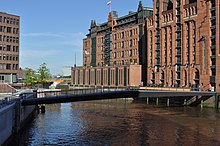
x: 31, y: 77
x: 43, y: 74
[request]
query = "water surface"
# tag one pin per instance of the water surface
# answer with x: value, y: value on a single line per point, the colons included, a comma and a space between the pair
x: 121, y: 122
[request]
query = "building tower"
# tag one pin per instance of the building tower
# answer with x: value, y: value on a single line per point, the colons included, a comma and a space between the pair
x: 9, y: 47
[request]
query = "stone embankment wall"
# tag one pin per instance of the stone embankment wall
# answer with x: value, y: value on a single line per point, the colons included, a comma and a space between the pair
x: 12, y: 117
x: 7, y: 122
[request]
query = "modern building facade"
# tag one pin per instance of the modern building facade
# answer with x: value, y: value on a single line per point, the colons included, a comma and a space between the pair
x: 117, y: 43
x: 183, y: 44
x: 9, y: 47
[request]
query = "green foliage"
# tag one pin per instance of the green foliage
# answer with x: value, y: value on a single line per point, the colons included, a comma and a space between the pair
x: 43, y: 73
x: 41, y: 76
x: 31, y: 77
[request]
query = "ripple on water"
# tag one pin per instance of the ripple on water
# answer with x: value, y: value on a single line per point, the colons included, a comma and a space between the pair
x: 122, y: 123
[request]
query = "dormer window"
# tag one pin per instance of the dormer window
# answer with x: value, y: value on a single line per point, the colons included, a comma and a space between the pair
x: 167, y: 5
x: 190, y: 1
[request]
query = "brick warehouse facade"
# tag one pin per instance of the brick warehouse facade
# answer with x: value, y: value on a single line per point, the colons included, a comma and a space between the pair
x: 107, y: 76
x: 177, y: 43
x: 9, y: 47
x: 119, y: 45
x: 183, y: 44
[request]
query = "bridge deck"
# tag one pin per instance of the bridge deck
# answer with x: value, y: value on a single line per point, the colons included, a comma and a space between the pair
x: 115, y: 95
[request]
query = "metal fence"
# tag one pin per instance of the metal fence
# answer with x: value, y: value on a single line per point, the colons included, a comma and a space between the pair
x: 13, y: 98
x: 7, y: 101
x: 82, y: 90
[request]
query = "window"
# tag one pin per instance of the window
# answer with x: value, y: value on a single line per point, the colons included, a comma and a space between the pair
x: 4, y: 48
x: 8, y: 66
x: 4, y: 38
x: 131, y: 33
x: 122, y: 45
x: 8, y: 48
x: 122, y: 35
x: 130, y: 43
x: 130, y: 53
x: 5, y: 20
x: 2, y: 78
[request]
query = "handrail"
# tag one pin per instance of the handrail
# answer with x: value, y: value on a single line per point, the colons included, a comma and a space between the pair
x: 82, y: 90
x: 11, y: 99
x: 7, y: 101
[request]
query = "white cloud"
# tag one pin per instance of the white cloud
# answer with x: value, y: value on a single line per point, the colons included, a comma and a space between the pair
x: 76, y: 42
x: 39, y: 34
x: 51, y: 34
x: 71, y: 39
x: 37, y: 54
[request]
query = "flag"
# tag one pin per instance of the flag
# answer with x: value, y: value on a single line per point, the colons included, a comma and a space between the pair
x: 109, y: 2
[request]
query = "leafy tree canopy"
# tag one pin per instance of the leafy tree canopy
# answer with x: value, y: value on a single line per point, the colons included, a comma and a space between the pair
x: 41, y: 76
x: 43, y: 73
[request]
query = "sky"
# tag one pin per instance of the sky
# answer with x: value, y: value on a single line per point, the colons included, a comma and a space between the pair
x: 51, y: 31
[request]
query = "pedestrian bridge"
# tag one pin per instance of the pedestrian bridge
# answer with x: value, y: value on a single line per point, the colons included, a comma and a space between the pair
x: 192, y: 98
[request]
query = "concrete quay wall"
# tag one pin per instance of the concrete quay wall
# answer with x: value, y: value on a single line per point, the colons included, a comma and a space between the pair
x: 12, y: 119
x: 7, y: 122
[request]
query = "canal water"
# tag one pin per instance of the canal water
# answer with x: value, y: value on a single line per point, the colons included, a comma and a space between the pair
x: 121, y: 123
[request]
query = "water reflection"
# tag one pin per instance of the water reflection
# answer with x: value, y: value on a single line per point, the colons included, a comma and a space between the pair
x: 120, y: 122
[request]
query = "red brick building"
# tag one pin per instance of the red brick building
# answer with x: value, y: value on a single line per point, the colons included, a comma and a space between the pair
x: 176, y: 43
x: 9, y: 47
x: 183, y: 44
x: 114, y: 52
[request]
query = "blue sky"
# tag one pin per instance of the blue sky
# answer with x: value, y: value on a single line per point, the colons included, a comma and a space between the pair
x: 52, y: 30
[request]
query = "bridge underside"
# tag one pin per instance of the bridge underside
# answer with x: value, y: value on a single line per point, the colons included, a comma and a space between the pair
x: 137, y: 94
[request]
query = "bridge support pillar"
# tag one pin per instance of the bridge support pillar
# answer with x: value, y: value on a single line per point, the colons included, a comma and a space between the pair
x: 202, y: 103
x: 185, y: 102
x: 147, y: 100
x: 102, y: 89
x: 41, y: 108
x: 157, y: 101
x: 217, y: 101
x: 168, y: 102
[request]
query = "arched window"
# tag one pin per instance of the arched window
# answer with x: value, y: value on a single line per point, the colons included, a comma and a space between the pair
x: 185, y: 77
x: 162, y: 78
x: 196, y: 80
x: 172, y: 78
x: 153, y: 77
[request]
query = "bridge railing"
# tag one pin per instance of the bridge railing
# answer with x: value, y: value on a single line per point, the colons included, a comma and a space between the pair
x: 13, y: 98
x: 48, y: 92
x: 95, y: 90
x: 7, y: 101
x: 82, y: 90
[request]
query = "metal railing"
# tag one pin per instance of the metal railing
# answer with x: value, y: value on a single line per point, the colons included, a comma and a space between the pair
x: 7, y: 101
x: 13, y: 98
x: 82, y: 90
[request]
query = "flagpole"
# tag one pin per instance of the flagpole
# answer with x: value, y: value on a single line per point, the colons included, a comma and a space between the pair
x: 110, y: 3
x: 75, y: 60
